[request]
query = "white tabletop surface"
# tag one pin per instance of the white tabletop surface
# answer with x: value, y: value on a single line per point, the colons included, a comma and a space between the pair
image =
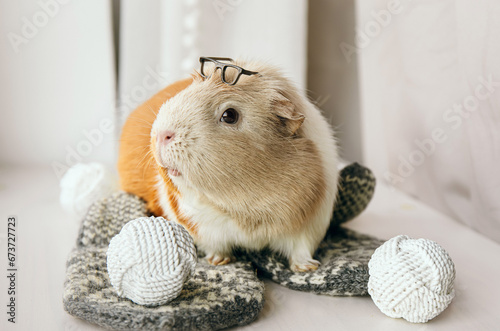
x: 46, y: 235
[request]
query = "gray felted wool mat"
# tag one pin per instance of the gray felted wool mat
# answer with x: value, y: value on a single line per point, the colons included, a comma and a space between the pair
x: 216, y: 297
x: 344, y: 257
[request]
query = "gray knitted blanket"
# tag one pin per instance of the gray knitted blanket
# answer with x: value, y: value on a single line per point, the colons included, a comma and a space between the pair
x: 215, y: 297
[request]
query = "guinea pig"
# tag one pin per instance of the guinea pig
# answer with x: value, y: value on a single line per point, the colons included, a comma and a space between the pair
x: 248, y: 165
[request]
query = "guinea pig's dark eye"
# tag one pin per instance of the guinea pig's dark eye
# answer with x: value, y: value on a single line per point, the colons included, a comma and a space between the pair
x: 230, y: 116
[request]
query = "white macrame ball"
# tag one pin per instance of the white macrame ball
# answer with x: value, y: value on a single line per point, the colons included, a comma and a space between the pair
x: 150, y: 259
x: 83, y: 184
x: 411, y: 279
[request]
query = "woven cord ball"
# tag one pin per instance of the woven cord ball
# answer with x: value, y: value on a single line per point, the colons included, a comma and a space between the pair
x: 150, y: 259
x: 411, y: 279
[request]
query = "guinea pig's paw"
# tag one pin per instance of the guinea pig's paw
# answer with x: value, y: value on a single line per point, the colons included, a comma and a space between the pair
x: 219, y: 259
x: 304, y: 265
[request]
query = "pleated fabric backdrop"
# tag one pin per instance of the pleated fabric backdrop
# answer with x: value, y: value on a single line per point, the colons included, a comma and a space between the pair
x: 430, y: 103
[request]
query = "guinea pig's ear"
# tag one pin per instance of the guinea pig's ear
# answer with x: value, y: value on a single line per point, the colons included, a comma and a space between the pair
x: 286, y: 112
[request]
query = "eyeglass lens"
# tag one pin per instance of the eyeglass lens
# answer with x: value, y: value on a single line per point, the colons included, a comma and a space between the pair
x: 230, y: 75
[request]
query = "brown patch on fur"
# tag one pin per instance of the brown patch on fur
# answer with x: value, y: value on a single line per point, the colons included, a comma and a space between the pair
x: 137, y: 167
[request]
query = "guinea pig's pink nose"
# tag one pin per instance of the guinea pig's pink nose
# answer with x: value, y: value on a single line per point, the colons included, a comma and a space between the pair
x: 165, y: 137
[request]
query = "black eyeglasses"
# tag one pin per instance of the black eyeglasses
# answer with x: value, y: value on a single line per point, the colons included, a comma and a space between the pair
x: 230, y: 73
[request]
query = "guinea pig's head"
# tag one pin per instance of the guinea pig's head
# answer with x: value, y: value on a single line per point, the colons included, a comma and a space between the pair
x: 232, y: 144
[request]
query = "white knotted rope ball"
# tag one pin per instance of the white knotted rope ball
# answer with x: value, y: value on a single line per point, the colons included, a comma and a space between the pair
x: 83, y: 184
x: 150, y: 259
x: 411, y: 279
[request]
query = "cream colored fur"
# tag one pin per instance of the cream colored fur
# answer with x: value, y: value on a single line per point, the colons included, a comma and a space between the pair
x: 270, y: 180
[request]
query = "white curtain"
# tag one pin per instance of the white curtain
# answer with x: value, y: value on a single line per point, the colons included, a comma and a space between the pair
x: 57, y: 81
x: 430, y: 96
